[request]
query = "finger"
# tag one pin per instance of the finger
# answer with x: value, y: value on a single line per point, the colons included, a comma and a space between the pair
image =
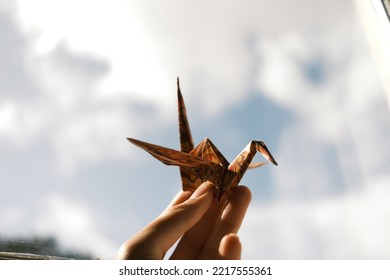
x: 229, y: 222
x: 230, y: 247
x: 193, y: 241
x: 235, y: 211
x: 156, y: 238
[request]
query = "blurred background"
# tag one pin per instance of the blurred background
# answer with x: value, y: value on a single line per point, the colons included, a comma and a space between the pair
x: 78, y: 77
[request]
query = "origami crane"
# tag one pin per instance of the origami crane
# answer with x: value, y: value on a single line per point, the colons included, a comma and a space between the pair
x: 205, y: 162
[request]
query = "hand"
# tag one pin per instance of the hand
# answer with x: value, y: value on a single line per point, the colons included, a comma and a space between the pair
x: 207, y: 227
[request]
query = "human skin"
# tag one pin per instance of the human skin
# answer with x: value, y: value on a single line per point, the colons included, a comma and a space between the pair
x: 207, y: 228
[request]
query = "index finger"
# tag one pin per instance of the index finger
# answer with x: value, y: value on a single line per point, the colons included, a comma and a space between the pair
x: 157, y: 237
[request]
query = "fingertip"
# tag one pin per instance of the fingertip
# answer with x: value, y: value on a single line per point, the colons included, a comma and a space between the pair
x: 230, y: 247
x: 243, y: 194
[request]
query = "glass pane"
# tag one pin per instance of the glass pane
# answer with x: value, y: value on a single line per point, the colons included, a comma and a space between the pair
x: 79, y: 77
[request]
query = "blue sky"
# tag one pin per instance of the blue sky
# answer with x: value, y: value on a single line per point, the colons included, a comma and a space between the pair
x: 78, y: 77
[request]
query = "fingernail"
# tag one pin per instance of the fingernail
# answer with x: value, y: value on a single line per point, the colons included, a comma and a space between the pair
x: 202, y: 189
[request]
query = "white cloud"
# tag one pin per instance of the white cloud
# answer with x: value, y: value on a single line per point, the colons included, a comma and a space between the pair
x: 66, y: 110
x: 11, y: 218
x: 17, y: 121
x: 73, y: 224
x: 354, y: 226
x: 112, y: 30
